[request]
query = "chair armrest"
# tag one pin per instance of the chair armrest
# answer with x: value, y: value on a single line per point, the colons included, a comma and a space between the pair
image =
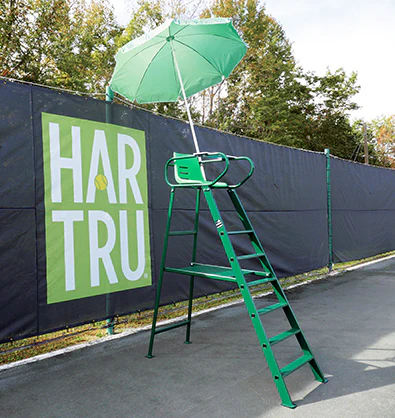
x: 252, y: 167
x: 208, y: 158
x: 211, y: 157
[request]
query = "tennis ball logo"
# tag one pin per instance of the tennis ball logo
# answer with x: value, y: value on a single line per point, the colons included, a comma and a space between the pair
x: 101, y: 182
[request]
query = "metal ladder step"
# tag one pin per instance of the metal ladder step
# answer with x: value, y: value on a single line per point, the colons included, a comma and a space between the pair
x: 296, y: 364
x: 283, y: 336
x: 262, y: 273
x: 248, y: 256
x: 261, y: 281
x: 179, y: 233
x: 244, y: 278
x: 244, y: 231
x: 167, y: 328
x: 272, y: 308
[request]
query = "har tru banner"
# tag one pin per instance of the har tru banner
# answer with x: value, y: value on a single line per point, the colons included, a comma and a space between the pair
x: 96, y: 208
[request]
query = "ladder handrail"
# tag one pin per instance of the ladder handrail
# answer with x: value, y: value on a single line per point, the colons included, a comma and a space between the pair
x: 220, y: 155
x: 233, y: 273
x: 212, y: 158
x: 252, y: 167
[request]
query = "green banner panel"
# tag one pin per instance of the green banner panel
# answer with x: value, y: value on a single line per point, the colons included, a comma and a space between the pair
x: 96, y: 208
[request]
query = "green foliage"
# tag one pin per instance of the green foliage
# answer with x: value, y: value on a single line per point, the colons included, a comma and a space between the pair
x: 334, y: 92
x: 269, y: 97
x: 67, y: 43
x: 330, y: 126
x: 72, y: 44
x: 148, y: 15
x: 375, y: 155
x: 383, y: 137
x: 257, y: 91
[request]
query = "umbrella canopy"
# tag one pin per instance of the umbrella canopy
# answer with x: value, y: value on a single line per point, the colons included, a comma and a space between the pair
x: 176, y: 60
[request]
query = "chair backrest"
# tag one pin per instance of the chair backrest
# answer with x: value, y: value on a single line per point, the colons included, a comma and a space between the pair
x: 187, y: 170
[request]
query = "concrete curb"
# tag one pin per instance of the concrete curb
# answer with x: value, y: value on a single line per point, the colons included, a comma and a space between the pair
x: 170, y: 321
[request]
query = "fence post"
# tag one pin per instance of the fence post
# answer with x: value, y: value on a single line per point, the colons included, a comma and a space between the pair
x: 109, y: 99
x: 329, y: 208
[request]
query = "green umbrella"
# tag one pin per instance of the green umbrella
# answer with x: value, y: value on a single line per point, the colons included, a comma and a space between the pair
x: 176, y: 60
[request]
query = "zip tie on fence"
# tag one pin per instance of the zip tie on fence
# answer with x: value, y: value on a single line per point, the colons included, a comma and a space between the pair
x: 119, y: 321
x: 50, y: 340
x: 261, y: 289
x: 14, y: 80
x: 131, y: 104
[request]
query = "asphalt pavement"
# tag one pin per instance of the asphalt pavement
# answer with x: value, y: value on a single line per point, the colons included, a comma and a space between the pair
x: 349, y: 321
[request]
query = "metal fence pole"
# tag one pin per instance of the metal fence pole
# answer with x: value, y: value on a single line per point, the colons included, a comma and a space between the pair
x: 365, y: 144
x: 109, y: 100
x: 329, y: 208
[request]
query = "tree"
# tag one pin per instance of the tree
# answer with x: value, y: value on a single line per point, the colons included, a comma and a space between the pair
x: 376, y: 156
x: 330, y: 126
x: 332, y: 103
x: 65, y: 43
x: 383, y: 132
x: 269, y: 97
x: 257, y: 92
x: 148, y: 15
x: 72, y: 44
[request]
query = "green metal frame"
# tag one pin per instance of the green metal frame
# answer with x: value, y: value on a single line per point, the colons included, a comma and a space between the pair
x: 110, y: 321
x: 193, y: 177
x: 329, y: 208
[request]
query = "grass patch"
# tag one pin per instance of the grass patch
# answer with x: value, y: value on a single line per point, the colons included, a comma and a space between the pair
x: 46, y: 343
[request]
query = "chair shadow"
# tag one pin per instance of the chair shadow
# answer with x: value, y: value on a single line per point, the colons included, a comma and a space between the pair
x: 348, y: 377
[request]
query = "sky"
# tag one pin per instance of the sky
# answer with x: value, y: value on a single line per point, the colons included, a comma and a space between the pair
x: 357, y: 35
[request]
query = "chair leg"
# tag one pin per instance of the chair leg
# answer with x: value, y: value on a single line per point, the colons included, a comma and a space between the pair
x: 160, y: 281
x: 192, y: 280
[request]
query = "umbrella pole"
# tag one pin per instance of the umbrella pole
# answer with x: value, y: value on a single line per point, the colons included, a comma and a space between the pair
x: 185, y: 100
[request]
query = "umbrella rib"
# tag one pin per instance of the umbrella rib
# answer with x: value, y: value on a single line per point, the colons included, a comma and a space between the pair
x: 174, y: 65
x: 147, y: 68
x: 133, y: 56
x: 145, y: 72
x: 218, y: 36
x: 175, y: 76
x: 180, y: 30
x: 214, y: 34
x: 198, y: 53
